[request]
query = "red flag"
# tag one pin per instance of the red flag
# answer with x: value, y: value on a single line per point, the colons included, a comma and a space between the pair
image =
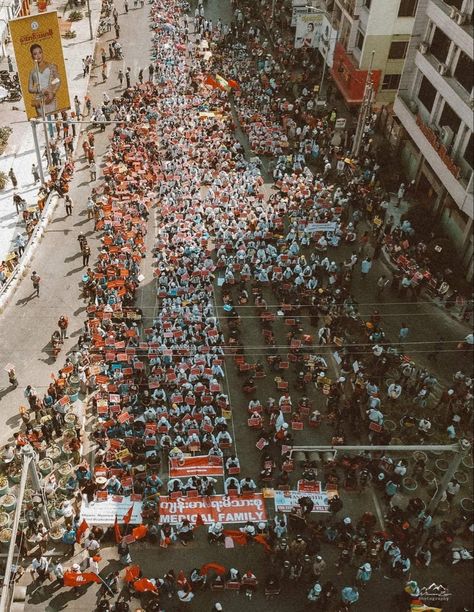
x: 143, y: 585
x: 140, y: 532
x: 212, y: 82
x: 83, y: 527
x: 128, y: 517
x: 75, y: 579
x: 132, y: 573
x: 237, y: 536
x: 233, y: 84
x: 219, y: 569
x: 117, y: 532
x: 261, y: 539
x: 199, y: 521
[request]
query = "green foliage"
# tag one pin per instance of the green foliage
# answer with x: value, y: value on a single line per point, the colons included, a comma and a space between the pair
x: 4, y: 136
x: 3, y: 180
x: 75, y: 16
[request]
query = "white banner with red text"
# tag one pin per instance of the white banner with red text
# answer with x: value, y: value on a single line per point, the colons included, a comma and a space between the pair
x: 220, y: 508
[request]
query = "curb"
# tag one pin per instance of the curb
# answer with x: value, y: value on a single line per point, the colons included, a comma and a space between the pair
x: 21, y: 270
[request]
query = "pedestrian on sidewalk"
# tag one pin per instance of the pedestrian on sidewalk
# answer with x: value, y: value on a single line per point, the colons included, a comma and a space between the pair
x: 93, y: 170
x: 103, y: 56
x: 10, y: 64
x: 140, y: 76
x: 151, y: 70
x: 403, y: 333
x: 68, y: 203
x: 77, y: 106
x: 400, y: 194
x: 85, y: 68
x: 365, y: 267
x: 35, y: 279
x: 120, y: 77
x: 86, y: 253
x: 117, y: 30
x: 72, y: 122
x: 104, y: 73
x: 34, y: 172
x: 19, y: 203
x: 125, y: 6
x: 13, y: 178
x: 382, y: 283
x: 20, y: 243
x: 127, y: 76
x: 63, y: 323
x: 90, y: 208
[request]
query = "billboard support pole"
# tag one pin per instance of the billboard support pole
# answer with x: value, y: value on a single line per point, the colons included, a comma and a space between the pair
x: 45, y: 127
x: 90, y: 20
x: 39, y: 160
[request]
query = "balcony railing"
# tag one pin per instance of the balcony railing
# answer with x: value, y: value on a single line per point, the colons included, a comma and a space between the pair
x: 438, y: 146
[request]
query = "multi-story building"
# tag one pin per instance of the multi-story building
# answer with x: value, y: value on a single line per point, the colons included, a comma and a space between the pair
x: 435, y: 106
x: 373, y: 32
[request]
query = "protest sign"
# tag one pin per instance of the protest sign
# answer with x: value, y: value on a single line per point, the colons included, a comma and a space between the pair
x: 213, y: 508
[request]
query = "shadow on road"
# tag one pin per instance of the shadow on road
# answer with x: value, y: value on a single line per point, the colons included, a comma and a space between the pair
x: 81, y: 222
x: 74, y: 270
x: 6, y: 391
x: 72, y: 257
x: 25, y: 300
x: 13, y: 421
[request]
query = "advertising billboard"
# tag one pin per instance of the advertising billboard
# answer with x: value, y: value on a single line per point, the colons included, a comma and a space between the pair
x: 308, y: 30
x: 39, y: 56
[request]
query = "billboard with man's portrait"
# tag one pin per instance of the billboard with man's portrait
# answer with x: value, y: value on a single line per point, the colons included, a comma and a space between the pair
x: 308, y: 30
x: 39, y: 57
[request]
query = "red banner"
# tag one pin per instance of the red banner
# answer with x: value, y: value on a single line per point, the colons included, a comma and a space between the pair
x: 214, y: 508
x: 196, y: 466
x: 74, y: 579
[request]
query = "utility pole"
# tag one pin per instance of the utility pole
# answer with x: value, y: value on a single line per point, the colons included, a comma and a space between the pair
x: 464, y: 449
x: 91, y: 33
x: 460, y: 450
x: 39, y: 159
x: 364, y: 110
x: 29, y: 468
x: 43, y: 116
x: 5, y: 593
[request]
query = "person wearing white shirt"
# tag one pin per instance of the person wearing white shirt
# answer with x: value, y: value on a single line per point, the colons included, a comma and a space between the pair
x: 394, y: 391
x: 375, y: 416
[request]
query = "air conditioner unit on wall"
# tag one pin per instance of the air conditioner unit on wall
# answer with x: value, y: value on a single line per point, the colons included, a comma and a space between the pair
x: 423, y: 48
x: 446, y: 135
x: 443, y: 69
x: 461, y: 18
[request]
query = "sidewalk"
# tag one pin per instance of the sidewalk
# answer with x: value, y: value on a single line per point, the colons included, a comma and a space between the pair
x: 20, y: 153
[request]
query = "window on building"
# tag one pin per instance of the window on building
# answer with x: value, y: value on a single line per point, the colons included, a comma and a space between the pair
x: 407, y: 8
x: 464, y: 72
x: 468, y: 154
x: 391, y: 81
x: 440, y: 45
x: 359, y: 40
x: 398, y: 49
x: 449, y: 118
x: 427, y: 94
